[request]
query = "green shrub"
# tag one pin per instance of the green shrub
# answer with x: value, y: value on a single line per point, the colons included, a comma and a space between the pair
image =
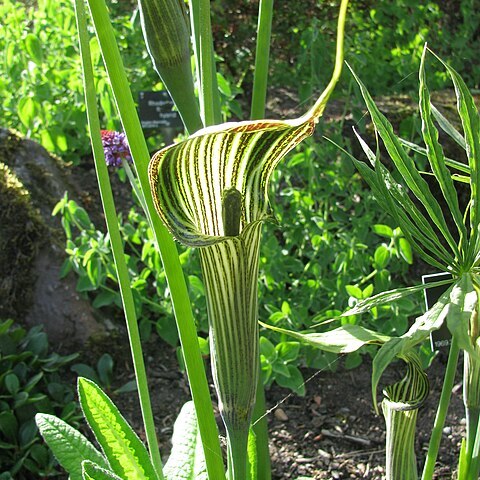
x: 30, y: 382
x: 40, y: 74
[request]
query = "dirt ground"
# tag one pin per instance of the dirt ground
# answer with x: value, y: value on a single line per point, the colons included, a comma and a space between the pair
x: 331, y: 433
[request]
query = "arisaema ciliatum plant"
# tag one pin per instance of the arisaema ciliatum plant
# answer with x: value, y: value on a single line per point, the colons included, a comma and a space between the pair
x: 211, y: 192
x: 443, y: 227
x: 208, y: 191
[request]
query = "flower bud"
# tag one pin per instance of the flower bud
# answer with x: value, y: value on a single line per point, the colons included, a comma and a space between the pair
x: 167, y: 37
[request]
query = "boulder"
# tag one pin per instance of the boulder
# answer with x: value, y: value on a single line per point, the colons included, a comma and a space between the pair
x: 32, y: 245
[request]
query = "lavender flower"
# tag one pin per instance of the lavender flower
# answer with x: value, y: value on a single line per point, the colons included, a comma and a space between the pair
x: 116, y: 148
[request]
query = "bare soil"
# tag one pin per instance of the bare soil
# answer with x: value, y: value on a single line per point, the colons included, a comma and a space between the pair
x: 331, y: 433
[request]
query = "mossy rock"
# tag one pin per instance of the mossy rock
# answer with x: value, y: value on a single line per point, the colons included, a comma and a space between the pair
x: 32, y: 244
x: 21, y: 234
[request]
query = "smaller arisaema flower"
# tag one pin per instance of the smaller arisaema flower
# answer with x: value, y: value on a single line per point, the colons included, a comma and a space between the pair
x: 211, y: 192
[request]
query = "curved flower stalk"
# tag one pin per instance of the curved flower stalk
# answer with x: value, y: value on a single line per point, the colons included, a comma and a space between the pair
x: 211, y: 192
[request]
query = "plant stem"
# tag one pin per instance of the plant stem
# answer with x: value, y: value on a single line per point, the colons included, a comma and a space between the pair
x: 237, y: 440
x: 134, y: 184
x: 116, y: 240
x: 444, y: 402
x: 209, y: 97
x: 165, y: 244
x: 260, y: 427
x: 262, y: 55
x: 320, y: 104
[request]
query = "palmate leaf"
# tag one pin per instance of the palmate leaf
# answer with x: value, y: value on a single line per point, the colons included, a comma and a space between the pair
x: 471, y: 127
x: 393, y: 199
x: 407, y: 168
x: 436, y: 157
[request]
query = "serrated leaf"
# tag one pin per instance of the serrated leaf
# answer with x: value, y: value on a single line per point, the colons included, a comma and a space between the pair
x: 92, y: 471
x: 126, y: 454
x: 187, y: 460
x: 68, y: 445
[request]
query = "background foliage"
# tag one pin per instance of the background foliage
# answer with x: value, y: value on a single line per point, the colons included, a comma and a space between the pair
x: 328, y: 245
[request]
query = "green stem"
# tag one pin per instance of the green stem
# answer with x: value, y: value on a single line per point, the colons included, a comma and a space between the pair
x: 209, y: 98
x: 262, y: 55
x: 260, y: 427
x: 317, y: 109
x: 134, y: 183
x: 474, y: 469
x: 260, y: 81
x: 436, y: 436
x: 237, y: 441
x: 116, y: 240
x: 165, y: 244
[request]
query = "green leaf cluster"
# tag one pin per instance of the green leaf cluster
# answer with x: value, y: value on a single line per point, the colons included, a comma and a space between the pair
x: 31, y: 381
x: 122, y: 455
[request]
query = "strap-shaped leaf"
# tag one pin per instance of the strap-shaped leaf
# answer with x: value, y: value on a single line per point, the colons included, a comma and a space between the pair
x: 188, y: 180
x: 126, y: 454
x: 436, y: 157
x: 68, y: 445
x: 393, y: 199
x: 423, y: 151
x: 345, y: 339
x: 389, y: 297
x: 471, y: 128
x: 448, y: 128
x: 187, y: 460
x: 92, y: 471
x: 407, y: 168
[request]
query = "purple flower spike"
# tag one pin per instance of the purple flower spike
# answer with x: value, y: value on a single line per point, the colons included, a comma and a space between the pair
x: 116, y: 148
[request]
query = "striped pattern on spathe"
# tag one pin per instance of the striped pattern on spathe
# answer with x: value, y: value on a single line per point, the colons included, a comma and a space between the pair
x: 188, y: 179
x: 230, y: 272
x: 410, y: 392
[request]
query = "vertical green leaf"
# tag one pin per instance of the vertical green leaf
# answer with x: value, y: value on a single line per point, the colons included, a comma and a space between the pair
x: 471, y: 127
x: 407, y: 168
x: 435, y: 154
x: 34, y: 48
x: 126, y: 454
x: 187, y: 460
